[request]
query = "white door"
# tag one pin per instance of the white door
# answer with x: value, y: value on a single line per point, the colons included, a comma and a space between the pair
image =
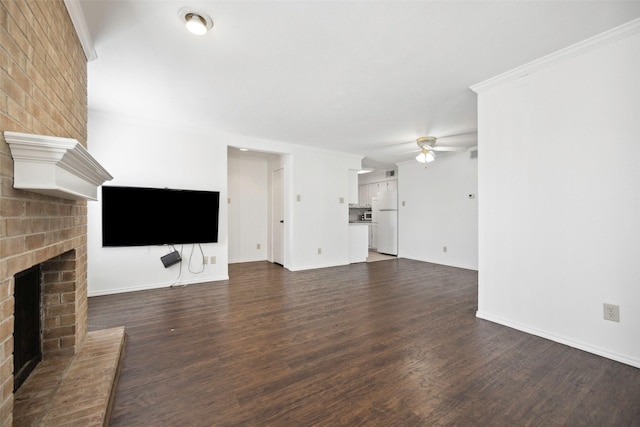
x: 277, y: 226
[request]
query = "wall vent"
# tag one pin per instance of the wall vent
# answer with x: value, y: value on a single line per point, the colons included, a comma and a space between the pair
x: 390, y: 174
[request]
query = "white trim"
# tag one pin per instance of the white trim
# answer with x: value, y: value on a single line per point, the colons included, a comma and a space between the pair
x: 243, y: 260
x: 314, y: 267
x: 59, y: 167
x: 561, y: 339
x: 82, y: 30
x: 623, y: 31
x: 439, y: 262
x: 148, y: 287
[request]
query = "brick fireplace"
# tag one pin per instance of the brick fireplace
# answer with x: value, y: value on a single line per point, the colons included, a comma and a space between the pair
x: 43, y: 90
x: 56, y: 311
x: 59, y: 230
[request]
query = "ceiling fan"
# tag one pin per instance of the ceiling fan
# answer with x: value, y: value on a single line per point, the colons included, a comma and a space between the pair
x: 427, y: 149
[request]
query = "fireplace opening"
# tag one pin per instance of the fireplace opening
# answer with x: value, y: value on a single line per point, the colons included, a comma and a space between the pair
x: 27, y: 333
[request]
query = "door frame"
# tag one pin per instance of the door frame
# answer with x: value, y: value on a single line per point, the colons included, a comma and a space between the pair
x: 278, y: 213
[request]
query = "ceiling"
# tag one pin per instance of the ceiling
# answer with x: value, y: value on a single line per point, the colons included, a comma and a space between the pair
x: 363, y: 77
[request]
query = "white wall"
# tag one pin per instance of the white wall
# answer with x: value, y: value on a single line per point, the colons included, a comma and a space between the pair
x: 438, y: 212
x: 559, y: 204
x: 319, y: 219
x: 153, y: 155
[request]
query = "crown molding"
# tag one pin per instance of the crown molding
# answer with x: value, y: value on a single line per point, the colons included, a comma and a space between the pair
x: 82, y: 30
x: 623, y: 31
x: 59, y: 167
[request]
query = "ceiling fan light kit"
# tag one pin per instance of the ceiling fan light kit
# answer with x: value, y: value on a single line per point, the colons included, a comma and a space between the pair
x: 196, y: 22
x: 426, y: 156
x: 427, y: 153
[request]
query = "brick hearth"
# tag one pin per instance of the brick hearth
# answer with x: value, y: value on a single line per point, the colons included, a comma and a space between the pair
x: 73, y: 390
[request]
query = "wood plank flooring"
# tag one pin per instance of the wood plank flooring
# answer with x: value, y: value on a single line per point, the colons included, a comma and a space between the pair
x: 389, y: 343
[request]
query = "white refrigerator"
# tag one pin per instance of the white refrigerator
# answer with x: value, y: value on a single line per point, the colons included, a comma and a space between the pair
x: 387, y: 219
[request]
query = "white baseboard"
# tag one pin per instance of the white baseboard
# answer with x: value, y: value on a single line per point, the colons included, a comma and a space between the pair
x: 153, y: 286
x: 562, y: 340
x: 239, y: 261
x: 313, y: 267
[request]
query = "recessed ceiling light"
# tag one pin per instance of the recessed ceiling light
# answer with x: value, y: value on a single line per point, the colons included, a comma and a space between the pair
x: 197, y: 22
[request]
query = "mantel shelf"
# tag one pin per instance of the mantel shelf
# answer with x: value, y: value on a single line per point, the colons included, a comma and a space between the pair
x: 54, y: 166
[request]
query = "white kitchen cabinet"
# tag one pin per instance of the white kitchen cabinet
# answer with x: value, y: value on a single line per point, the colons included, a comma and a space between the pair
x: 363, y: 195
x: 368, y: 192
x: 358, y: 251
x: 391, y: 185
x: 373, y: 190
x: 384, y: 187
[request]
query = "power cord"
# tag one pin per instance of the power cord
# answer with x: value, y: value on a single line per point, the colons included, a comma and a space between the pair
x: 201, y: 259
x: 175, y: 283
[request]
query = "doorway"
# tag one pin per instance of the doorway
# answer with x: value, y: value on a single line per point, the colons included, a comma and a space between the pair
x: 256, y: 205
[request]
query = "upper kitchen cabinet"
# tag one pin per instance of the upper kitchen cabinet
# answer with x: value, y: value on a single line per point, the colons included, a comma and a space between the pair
x: 363, y: 195
x: 388, y: 186
x: 369, y: 191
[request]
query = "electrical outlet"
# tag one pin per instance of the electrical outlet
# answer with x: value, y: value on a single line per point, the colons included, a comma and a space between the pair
x: 444, y: 249
x: 611, y: 312
x: 298, y: 197
x: 258, y: 246
x: 319, y: 251
x: 341, y: 200
x: 205, y: 260
x: 213, y: 260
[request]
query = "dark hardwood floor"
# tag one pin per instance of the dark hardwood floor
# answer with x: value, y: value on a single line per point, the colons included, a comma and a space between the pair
x: 389, y: 343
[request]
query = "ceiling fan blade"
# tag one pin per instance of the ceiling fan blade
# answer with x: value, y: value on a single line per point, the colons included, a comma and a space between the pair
x: 463, y: 138
x: 433, y: 143
x: 404, y: 153
x: 446, y: 148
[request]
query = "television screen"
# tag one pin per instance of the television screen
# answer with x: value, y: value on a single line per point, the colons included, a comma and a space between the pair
x: 137, y: 216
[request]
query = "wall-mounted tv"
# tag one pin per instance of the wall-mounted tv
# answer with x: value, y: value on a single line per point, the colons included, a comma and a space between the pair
x: 138, y: 216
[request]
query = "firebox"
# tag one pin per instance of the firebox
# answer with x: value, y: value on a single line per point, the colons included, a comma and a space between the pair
x: 27, y: 333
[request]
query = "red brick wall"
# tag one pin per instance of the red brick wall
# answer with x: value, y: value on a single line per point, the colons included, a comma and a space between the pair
x: 43, y: 90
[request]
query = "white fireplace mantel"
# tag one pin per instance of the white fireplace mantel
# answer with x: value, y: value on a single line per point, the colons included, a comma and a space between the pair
x: 54, y: 166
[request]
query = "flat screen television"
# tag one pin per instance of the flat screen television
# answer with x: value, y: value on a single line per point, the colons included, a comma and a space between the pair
x: 138, y: 216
